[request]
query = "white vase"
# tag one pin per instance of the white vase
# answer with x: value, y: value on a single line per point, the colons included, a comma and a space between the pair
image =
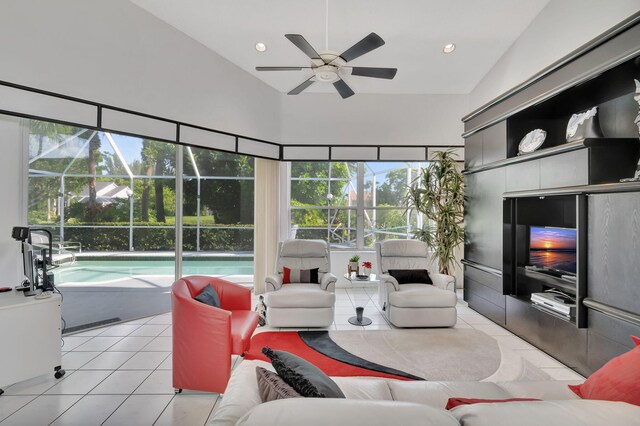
x: 366, y: 271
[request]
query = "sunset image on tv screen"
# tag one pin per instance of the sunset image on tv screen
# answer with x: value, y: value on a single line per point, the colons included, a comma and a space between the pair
x: 553, y: 248
x: 552, y: 239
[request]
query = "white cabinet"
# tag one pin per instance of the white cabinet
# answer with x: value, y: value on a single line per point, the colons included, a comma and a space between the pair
x: 30, y: 337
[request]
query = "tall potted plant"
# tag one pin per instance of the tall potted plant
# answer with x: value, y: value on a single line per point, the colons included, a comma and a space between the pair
x: 438, y: 193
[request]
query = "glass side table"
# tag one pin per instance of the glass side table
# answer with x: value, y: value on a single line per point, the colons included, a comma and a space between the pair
x: 354, y: 280
x: 361, y: 301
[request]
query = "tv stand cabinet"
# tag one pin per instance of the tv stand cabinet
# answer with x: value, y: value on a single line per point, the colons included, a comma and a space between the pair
x: 564, y: 184
x: 30, y: 337
x: 556, y: 336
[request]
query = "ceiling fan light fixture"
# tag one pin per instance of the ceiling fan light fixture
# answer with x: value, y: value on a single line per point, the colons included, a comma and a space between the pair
x: 261, y: 47
x: 448, y: 48
x: 327, y: 74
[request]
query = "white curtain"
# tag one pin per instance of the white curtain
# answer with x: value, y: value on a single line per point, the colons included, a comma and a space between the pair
x: 267, y: 215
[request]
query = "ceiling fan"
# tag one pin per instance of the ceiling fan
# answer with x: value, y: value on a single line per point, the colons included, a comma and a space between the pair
x: 330, y: 67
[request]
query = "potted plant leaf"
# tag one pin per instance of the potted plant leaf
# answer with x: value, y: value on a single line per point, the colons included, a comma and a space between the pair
x: 354, y: 264
x: 438, y: 193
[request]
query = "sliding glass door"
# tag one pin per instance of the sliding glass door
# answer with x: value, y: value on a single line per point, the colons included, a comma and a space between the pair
x: 218, y: 214
x: 110, y: 202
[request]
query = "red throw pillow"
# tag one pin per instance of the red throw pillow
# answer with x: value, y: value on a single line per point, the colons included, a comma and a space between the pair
x: 456, y: 402
x: 617, y: 380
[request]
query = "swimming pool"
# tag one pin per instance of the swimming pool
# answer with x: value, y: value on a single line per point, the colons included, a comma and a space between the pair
x: 110, y: 270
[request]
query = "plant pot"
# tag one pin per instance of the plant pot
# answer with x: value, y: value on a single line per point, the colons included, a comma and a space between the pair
x: 353, y: 267
x: 366, y: 271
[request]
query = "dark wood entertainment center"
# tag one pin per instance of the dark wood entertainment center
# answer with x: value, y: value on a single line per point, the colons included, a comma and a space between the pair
x: 572, y: 185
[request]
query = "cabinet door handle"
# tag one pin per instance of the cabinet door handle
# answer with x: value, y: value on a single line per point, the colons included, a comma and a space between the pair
x: 612, y: 311
x: 488, y: 269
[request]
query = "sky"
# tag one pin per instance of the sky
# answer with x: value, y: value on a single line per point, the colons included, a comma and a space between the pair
x: 552, y: 238
x: 129, y: 146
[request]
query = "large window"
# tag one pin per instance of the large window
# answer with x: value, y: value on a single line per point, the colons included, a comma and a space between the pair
x: 110, y: 202
x: 349, y: 204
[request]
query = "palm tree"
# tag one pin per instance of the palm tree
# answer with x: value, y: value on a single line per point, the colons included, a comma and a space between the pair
x: 148, y: 159
x: 92, y: 165
x: 157, y: 157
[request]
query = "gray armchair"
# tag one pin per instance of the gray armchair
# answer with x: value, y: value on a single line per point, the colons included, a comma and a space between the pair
x: 301, y: 304
x: 414, y: 304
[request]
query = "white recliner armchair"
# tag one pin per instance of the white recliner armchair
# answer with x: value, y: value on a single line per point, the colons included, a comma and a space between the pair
x: 301, y: 304
x: 414, y: 304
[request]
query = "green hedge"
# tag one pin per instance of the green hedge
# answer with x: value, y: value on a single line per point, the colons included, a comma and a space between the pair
x: 150, y: 239
x: 99, y: 239
x: 159, y: 239
x: 219, y: 239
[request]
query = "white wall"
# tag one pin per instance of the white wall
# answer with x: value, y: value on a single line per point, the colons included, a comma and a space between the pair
x: 14, y: 200
x: 369, y: 119
x: 115, y: 53
x: 561, y: 27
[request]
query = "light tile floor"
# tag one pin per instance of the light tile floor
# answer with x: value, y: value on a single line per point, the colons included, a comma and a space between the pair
x: 121, y: 374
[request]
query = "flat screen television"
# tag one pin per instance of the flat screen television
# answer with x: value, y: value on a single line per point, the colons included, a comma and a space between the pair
x: 553, y: 248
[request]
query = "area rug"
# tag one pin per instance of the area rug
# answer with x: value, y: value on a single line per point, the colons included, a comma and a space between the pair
x: 424, y: 354
x: 291, y: 341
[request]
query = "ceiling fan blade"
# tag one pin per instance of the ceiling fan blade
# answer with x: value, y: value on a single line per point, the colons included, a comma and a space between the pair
x: 302, y: 44
x: 342, y: 88
x: 387, y: 73
x: 281, y: 68
x: 366, y: 45
x: 303, y: 86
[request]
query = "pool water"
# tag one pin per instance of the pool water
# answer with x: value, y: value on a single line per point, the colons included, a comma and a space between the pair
x: 109, y: 270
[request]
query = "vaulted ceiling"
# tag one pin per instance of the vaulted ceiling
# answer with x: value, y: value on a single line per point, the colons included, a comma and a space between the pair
x: 415, y: 32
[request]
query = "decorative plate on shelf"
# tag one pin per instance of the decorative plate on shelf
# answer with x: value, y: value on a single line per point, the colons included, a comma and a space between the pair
x: 532, y: 141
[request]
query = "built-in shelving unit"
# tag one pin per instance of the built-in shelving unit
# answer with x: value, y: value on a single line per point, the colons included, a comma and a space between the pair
x: 563, y: 184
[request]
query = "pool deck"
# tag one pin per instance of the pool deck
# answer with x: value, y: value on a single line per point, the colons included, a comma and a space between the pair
x: 91, y: 304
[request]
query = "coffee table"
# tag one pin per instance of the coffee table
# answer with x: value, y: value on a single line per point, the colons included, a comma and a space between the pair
x: 361, y: 302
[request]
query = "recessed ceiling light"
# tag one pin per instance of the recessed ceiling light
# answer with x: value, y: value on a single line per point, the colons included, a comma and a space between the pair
x: 261, y: 47
x: 448, y: 48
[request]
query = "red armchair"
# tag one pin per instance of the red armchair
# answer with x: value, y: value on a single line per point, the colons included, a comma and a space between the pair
x: 204, y: 337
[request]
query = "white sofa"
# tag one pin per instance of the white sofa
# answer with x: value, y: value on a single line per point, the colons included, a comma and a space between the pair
x: 377, y: 401
x: 301, y: 305
x: 412, y: 304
